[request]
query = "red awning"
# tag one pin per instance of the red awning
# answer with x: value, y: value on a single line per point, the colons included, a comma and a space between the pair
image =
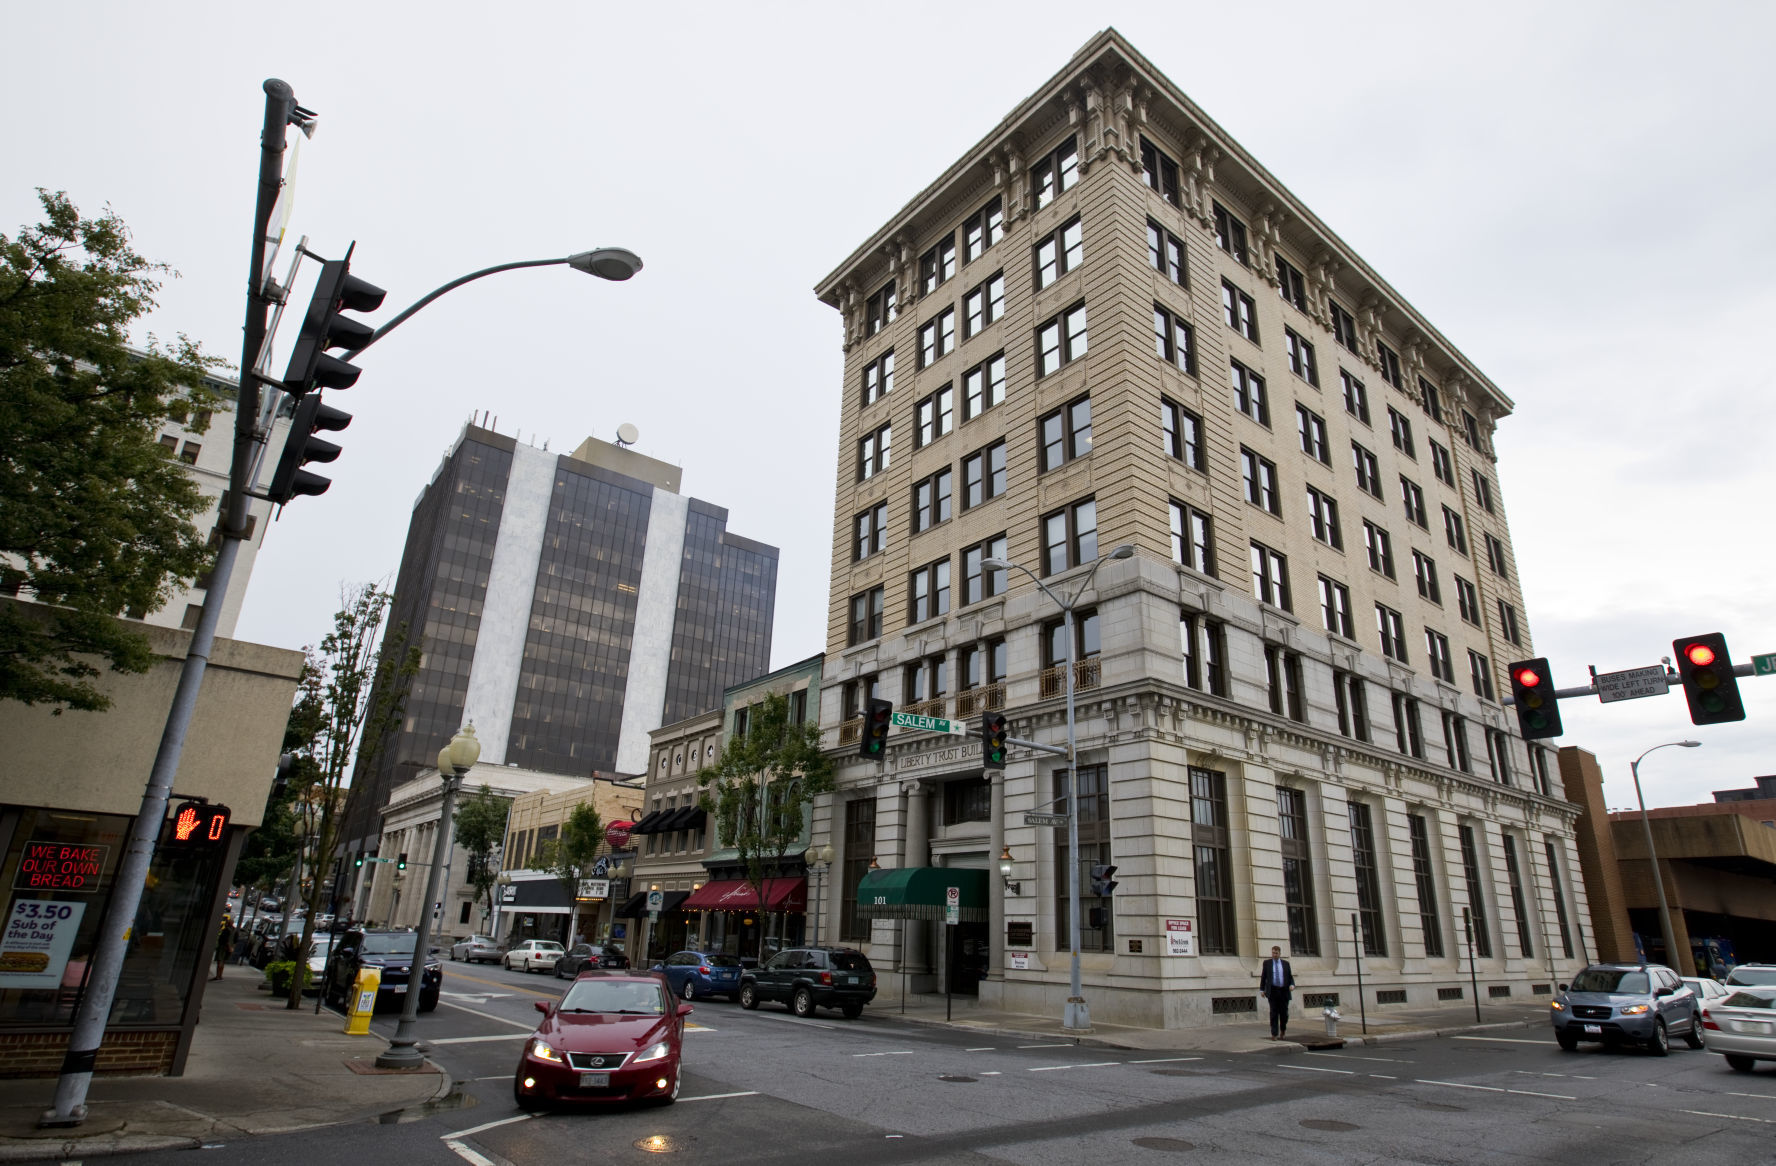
x: 781, y: 894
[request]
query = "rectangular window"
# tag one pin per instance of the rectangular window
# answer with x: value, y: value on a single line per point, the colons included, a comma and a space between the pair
x: 878, y: 378
x: 1566, y: 943
x: 1433, y: 401
x: 931, y: 500
x: 1096, y: 913
x: 1424, y: 573
x: 1353, y: 708
x: 1480, y: 672
x: 1298, y: 881
x: 1498, y: 756
x: 937, y: 338
x: 1291, y: 285
x: 983, y: 663
x: 1311, y: 427
x: 1368, y: 867
x: 1211, y: 844
x: 928, y: 592
x: 1192, y: 544
x: 983, y: 386
x: 983, y: 305
x: 984, y: 228
x: 1454, y: 532
x: 1181, y: 432
x: 1495, y: 557
x: 880, y: 310
x: 937, y: 265
x: 871, y: 532
x: 872, y: 453
x: 1230, y: 235
x: 1482, y: 491
x: 1249, y: 394
x: 1344, y: 326
x: 1368, y: 470
x: 978, y: 582
x: 1437, y: 648
x: 1173, y: 340
x: 1467, y: 598
x: 1065, y: 434
x: 866, y: 616
x: 1322, y: 518
x: 1301, y: 358
x: 1239, y: 311
x: 1413, y: 499
x: 1165, y: 253
x: 859, y: 852
x: 1380, y: 546
x: 1260, y: 476
x: 1054, y: 174
x: 1408, y: 733
x: 1159, y: 172
x: 1392, y: 630
x: 1059, y: 252
x: 1519, y: 905
x: 1508, y: 623
x: 967, y: 801
x: 1205, y: 653
x: 1389, y: 360
x: 1070, y: 537
x: 925, y: 679
x: 1423, y: 874
x: 1335, y: 608
x: 934, y: 416
x: 1061, y: 340
x: 1085, y: 639
x: 1270, y: 576
x: 1471, y: 429
x: 1283, y: 668
x: 1356, y: 397
x: 1441, y: 463
x: 1476, y: 912
x: 1400, y: 426
x: 983, y: 475
x: 859, y: 690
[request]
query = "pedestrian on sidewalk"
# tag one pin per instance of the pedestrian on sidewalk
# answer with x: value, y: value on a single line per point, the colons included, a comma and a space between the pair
x: 224, y: 945
x: 1276, y: 981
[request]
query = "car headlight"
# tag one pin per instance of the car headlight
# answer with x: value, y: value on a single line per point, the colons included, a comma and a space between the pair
x: 543, y: 1052
x: 656, y: 1052
x: 1634, y: 1009
x: 1557, y: 1006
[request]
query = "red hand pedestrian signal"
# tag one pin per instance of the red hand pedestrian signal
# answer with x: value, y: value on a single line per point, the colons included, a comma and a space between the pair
x: 198, y: 826
x: 185, y: 824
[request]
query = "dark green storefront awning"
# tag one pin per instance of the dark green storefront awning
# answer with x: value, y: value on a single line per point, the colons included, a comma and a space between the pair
x: 920, y: 892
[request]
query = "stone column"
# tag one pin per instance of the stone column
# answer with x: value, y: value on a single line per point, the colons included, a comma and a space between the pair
x: 995, y: 882
x: 918, y: 853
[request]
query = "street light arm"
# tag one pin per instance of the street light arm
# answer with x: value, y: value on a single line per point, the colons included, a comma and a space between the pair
x: 451, y: 286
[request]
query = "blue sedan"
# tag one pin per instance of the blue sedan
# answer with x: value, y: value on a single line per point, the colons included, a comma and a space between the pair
x: 694, y: 974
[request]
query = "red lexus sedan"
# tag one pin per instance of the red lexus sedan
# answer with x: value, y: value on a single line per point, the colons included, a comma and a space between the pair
x: 614, y: 1036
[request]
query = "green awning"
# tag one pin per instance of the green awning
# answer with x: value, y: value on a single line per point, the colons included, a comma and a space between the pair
x: 921, y: 892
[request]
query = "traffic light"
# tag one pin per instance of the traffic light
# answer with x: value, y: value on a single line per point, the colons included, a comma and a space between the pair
x: 1103, y: 879
x: 302, y: 447
x: 877, y: 715
x: 336, y: 291
x: 1532, y: 691
x: 401, y: 862
x: 359, y: 861
x: 1708, y: 682
x: 993, y: 731
x: 198, y: 826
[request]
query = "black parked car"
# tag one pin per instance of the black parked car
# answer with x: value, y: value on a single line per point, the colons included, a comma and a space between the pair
x: 391, y: 952
x: 589, y: 955
x: 807, y: 978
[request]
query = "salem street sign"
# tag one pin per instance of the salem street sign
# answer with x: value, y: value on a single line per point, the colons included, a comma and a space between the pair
x: 1035, y: 818
x: 930, y: 724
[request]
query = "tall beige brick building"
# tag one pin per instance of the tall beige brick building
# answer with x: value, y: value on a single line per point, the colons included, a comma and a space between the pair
x: 1107, y: 324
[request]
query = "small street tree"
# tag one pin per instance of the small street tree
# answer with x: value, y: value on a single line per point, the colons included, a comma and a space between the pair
x: 95, y: 515
x: 762, y: 783
x: 480, y: 828
x: 571, y: 854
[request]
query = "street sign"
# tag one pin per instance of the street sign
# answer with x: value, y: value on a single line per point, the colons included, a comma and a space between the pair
x: 1034, y: 818
x: 655, y: 901
x: 952, y: 904
x: 1763, y: 665
x: 930, y: 724
x: 1632, y: 684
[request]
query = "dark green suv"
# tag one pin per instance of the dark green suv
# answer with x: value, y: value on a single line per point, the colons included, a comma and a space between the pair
x: 807, y: 978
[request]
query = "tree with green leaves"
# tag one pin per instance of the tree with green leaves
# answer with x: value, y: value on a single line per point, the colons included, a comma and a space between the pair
x: 95, y: 515
x: 480, y: 827
x: 361, y: 688
x: 760, y: 786
x: 571, y: 854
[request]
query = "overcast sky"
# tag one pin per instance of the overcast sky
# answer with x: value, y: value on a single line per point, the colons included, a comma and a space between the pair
x: 1579, y: 196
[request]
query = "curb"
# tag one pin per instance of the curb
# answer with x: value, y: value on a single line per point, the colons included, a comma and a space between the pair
x: 1382, y: 1038
x: 99, y: 1146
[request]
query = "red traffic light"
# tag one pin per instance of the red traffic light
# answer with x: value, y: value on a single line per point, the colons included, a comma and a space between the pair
x: 1528, y: 677
x: 1701, y: 655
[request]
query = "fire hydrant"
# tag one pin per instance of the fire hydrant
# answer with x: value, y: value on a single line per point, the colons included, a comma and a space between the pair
x: 1331, y: 1015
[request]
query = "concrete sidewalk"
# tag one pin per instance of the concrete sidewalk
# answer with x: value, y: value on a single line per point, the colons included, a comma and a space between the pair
x: 255, y: 1068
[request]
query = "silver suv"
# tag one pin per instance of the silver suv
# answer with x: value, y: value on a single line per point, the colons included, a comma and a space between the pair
x: 1616, y: 1004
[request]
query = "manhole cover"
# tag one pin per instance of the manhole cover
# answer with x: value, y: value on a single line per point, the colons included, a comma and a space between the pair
x: 1173, y: 1145
x: 956, y: 1077
x: 661, y: 1143
x: 1326, y: 1123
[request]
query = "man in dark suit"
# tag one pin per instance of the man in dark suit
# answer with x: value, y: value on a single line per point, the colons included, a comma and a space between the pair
x: 1276, y: 982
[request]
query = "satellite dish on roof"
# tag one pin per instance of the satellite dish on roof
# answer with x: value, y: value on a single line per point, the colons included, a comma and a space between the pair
x: 627, y: 434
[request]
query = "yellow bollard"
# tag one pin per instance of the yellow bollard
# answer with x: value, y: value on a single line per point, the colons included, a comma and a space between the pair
x: 362, y: 1002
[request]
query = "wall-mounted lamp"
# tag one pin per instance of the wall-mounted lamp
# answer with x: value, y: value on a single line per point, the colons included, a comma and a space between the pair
x: 874, y: 865
x: 1016, y: 888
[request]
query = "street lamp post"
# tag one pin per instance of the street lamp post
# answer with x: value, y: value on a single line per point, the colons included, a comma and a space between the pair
x: 819, y: 860
x: 454, y: 762
x: 1646, y: 823
x: 1077, y: 1016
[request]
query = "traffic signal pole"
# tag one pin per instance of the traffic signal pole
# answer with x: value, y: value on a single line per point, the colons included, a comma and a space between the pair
x: 69, y: 1106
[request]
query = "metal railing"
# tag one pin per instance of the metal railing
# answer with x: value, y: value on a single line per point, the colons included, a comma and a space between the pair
x: 851, y: 731
x: 927, y: 708
x: 978, y: 700
x: 1086, y: 674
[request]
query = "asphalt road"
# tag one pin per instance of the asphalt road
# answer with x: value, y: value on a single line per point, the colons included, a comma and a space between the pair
x: 766, y: 1087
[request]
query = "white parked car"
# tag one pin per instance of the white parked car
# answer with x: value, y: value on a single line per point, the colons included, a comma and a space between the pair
x: 533, y: 955
x: 1742, y: 1027
x: 318, y: 951
x: 476, y: 949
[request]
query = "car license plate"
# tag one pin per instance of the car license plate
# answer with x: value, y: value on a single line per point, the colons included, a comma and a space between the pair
x: 595, y: 1080
x: 397, y: 988
x: 1593, y: 1029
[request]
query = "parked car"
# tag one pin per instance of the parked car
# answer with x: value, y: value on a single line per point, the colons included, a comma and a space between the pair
x: 1741, y: 1027
x: 589, y: 955
x: 391, y: 952
x: 702, y: 973
x: 807, y: 978
x: 1706, y: 991
x: 269, y: 903
x: 533, y: 955
x: 615, y: 1036
x: 476, y: 949
x: 319, y: 949
x: 1752, y: 976
x: 1641, y: 1004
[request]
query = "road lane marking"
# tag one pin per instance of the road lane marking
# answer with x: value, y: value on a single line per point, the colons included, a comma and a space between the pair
x: 469, y: 1040
x: 719, y: 1096
x: 981, y: 1049
x: 1496, y: 1089
x: 489, y: 1016
x: 504, y: 1121
x: 1533, y: 1093
x: 1319, y: 1069
x: 1089, y: 1065
x: 1385, y: 1076
x: 1505, y: 1040
x: 1353, y: 1057
x: 1759, y: 1096
x: 1062, y: 1045
x: 992, y: 1073
x: 1163, y: 1060
x: 503, y: 984
x: 1734, y: 1116
x: 891, y: 1053
x: 468, y: 1155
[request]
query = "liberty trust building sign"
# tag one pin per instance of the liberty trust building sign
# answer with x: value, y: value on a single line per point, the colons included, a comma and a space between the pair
x: 943, y: 759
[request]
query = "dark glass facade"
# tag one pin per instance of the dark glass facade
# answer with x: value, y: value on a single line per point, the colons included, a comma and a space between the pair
x: 727, y: 597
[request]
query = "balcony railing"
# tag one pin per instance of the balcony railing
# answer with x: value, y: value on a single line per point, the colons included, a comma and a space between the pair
x: 927, y: 708
x: 980, y: 700
x: 1086, y: 674
x: 851, y: 731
